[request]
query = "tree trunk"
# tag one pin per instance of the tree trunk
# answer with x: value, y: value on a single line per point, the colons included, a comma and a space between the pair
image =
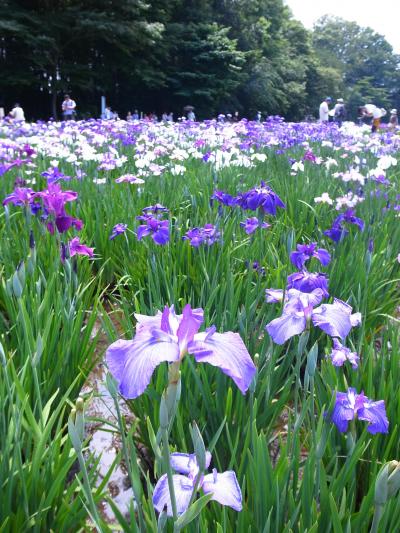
x: 54, y: 104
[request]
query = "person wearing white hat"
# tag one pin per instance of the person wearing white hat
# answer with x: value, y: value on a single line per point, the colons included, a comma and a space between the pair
x: 393, y: 120
x: 374, y: 112
x: 339, y: 111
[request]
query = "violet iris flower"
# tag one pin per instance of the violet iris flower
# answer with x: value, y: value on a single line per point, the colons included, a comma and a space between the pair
x: 53, y: 174
x: 155, y: 209
x: 224, y: 198
x: 308, y: 281
x: 77, y: 248
x: 306, y: 251
x: 340, y: 354
x: 262, y: 197
x: 54, y: 200
x: 252, y: 224
x: 158, y: 229
x: 169, y: 337
x: 206, y: 235
x: 336, y: 233
x: 118, y: 229
x: 224, y: 486
x: 20, y: 196
x: 349, y: 217
x: 334, y: 319
x: 350, y: 405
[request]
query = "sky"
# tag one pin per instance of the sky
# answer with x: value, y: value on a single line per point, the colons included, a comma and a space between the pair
x: 382, y: 16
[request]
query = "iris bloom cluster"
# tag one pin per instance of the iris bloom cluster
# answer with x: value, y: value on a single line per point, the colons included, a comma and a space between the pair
x: 262, y: 197
x: 153, y: 224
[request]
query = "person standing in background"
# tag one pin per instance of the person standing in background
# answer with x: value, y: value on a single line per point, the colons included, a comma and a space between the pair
x: 324, y: 110
x: 339, y: 114
x: 393, y: 120
x: 68, y: 108
x: 17, y: 113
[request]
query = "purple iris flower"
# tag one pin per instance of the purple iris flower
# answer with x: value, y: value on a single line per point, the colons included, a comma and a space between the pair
x: 224, y: 487
x: 54, y: 200
x: 252, y: 224
x: 306, y: 251
x: 158, y: 229
x: 349, y: 217
x: 206, y: 235
x: 169, y: 337
x: 336, y: 233
x: 308, y: 281
x: 262, y: 197
x: 350, y: 405
x: 340, y: 354
x: 334, y: 319
x: 118, y: 229
x: 224, y: 198
x: 53, y: 174
x: 20, y: 196
x: 77, y: 248
x: 154, y: 209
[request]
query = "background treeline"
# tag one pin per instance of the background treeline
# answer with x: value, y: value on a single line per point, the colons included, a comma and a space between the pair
x: 159, y: 55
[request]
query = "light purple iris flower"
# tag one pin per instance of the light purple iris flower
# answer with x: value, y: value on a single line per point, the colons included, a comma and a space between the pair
x: 77, y: 248
x: 118, y: 229
x: 224, y: 487
x: 129, y: 178
x: 158, y: 229
x: 306, y: 251
x: 334, y: 319
x: 54, y: 174
x: 169, y: 337
x: 340, y: 354
x: 350, y: 405
x: 252, y: 224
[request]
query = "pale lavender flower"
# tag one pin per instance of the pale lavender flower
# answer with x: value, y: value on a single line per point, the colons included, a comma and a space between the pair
x: 349, y: 405
x: 169, y: 337
x: 252, y: 223
x: 224, y: 486
x: 340, y: 354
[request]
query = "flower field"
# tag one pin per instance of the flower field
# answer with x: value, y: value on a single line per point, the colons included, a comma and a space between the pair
x: 236, y: 287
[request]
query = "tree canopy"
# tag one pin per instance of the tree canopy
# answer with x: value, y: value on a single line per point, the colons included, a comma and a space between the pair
x: 160, y: 55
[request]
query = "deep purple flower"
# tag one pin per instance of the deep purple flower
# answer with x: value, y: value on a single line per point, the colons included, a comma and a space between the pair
x: 76, y: 248
x: 118, y: 229
x: 306, y: 251
x: 350, y: 405
x: 349, y: 217
x: 336, y: 233
x: 224, y: 198
x: 20, y: 196
x: 340, y: 354
x: 206, y: 235
x: 224, y: 487
x: 169, y: 337
x: 262, y: 197
x: 308, y: 281
x: 158, y: 229
x: 54, y: 200
x: 252, y: 224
